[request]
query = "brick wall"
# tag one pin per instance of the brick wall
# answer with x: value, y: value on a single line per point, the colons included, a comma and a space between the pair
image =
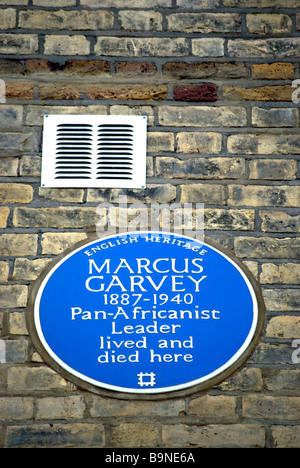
x: 215, y: 79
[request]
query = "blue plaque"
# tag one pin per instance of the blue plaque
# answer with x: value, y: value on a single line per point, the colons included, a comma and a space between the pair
x: 146, y: 313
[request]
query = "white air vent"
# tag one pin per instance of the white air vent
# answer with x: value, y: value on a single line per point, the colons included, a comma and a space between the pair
x: 94, y: 151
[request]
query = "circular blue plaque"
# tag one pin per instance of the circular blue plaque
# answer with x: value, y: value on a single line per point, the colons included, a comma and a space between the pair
x: 146, y: 313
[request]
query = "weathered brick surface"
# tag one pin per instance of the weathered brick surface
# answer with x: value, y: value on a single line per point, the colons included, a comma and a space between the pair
x: 262, y: 93
x: 279, y: 221
x: 264, y: 48
x: 284, y: 327
x: 202, y: 116
x: 267, y: 247
x: 11, y: 116
x: 196, y: 93
x: 15, y: 193
x: 218, y: 82
x: 201, y: 168
x: 160, y: 142
x: 72, y: 20
x: 14, y: 2
x: 220, y: 409
x: 275, y: 169
x: 9, y: 167
x: 125, y: 93
x: 264, y: 196
x: 17, y: 326
x: 282, y: 117
x: 66, y: 45
x: 35, y: 114
x: 203, y: 193
x: 109, y: 407
x: 25, y: 269
x: 199, y: 142
x: 143, y: 21
x: 204, y: 22
x: 18, y: 43
x: 13, y: 296
x: 55, y: 217
x: 4, y: 271
x: 269, y: 23
x: 73, y: 67
x: 16, y: 408
x: 18, y: 244
x: 59, y: 92
x: 19, y: 90
x: 135, y: 435
x: 141, y: 47
x: 286, y: 436
x: 283, y: 300
x: 8, y: 19
x: 57, y: 243
x: 134, y: 69
x: 231, y: 220
x: 74, y: 435
x: 204, y: 70
x: 264, y: 144
x: 264, y: 407
x: 262, y: 3
x: 27, y: 379
x: 63, y: 195
x: 214, y: 435
x: 4, y: 213
x: 208, y: 47
x: 14, y: 143
x: 273, y: 71
x: 284, y: 273
x: 71, y: 407
x: 129, y: 3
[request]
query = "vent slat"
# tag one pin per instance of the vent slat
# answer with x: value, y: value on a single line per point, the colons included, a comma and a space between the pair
x: 71, y: 177
x: 114, y: 178
x: 74, y: 125
x: 115, y: 135
x: 74, y: 131
x: 74, y: 158
x: 72, y: 153
x: 113, y: 163
x: 75, y: 148
x: 115, y: 126
x: 74, y: 172
x: 122, y: 153
x: 114, y: 171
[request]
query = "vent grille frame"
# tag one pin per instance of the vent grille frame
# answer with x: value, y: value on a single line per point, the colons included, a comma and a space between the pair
x: 94, y: 151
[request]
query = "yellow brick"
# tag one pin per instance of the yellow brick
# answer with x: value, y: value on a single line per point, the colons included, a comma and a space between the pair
x: 4, y: 212
x: 15, y: 193
x: 18, y: 244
